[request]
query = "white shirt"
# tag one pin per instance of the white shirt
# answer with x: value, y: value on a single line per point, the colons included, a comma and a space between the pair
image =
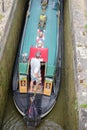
x: 35, y: 67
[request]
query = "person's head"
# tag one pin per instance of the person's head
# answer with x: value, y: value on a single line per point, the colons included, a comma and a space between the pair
x: 38, y: 54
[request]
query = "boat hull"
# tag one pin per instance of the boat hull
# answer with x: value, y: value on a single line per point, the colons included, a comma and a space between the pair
x: 44, y: 103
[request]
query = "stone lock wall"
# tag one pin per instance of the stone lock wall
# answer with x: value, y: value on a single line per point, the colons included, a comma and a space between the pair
x: 71, y: 114
x: 9, y: 52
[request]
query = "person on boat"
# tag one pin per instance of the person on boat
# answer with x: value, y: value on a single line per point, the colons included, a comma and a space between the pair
x: 35, y: 70
x: 40, y: 39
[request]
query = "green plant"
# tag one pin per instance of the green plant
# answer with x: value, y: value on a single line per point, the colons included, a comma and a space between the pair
x: 83, y: 105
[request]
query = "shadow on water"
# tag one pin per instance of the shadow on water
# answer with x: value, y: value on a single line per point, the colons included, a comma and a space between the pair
x: 14, y: 121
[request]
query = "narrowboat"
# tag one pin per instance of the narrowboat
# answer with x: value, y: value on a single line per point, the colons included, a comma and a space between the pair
x: 42, y: 34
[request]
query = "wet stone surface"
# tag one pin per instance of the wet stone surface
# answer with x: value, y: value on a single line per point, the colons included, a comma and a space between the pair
x: 4, y: 14
x: 79, y: 13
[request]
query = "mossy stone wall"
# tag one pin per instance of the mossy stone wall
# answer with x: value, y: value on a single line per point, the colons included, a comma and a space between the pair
x: 10, y: 50
x: 71, y: 120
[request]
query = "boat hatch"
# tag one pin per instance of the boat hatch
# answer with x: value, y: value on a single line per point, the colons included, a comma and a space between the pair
x: 22, y: 83
x: 23, y: 72
x: 48, y: 86
x: 43, y: 51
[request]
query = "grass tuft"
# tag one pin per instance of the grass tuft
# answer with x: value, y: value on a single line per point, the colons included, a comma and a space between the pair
x: 83, y: 105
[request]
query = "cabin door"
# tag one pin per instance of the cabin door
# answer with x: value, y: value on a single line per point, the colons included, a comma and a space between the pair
x: 43, y: 69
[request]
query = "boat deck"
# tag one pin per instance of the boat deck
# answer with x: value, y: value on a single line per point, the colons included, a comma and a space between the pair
x: 35, y: 89
x: 50, y: 32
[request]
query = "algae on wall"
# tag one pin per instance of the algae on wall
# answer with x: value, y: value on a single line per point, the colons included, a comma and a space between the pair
x: 71, y: 122
x: 8, y: 58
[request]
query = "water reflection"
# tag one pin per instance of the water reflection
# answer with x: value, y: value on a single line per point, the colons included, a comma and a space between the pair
x: 14, y: 121
x: 49, y: 125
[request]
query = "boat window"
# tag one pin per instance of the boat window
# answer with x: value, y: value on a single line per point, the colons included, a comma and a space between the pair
x: 48, y: 86
x: 23, y: 83
x: 43, y: 64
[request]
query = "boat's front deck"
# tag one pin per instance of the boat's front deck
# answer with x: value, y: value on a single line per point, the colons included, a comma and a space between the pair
x: 36, y: 89
x: 42, y: 102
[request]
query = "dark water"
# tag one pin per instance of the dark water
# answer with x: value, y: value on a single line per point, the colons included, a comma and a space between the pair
x: 14, y: 121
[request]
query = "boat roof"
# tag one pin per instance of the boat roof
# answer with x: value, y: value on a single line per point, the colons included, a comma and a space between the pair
x: 51, y: 31
x: 43, y: 51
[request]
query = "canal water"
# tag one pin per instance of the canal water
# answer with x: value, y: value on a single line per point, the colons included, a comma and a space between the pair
x: 63, y: 115
x: 53, y: 121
